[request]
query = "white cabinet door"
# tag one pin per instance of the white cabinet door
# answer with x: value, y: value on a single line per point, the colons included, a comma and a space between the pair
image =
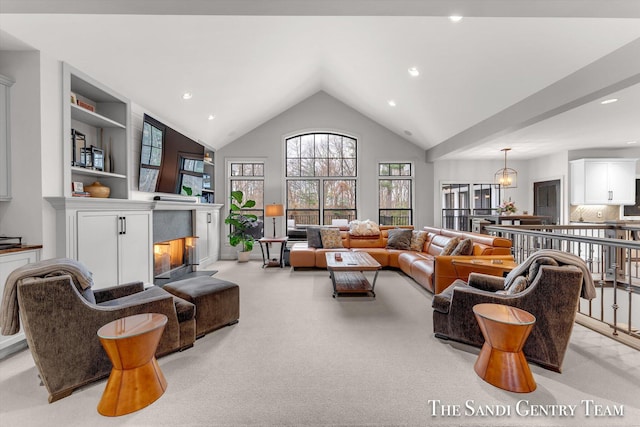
x: 622, y: 179
x: 115, y: 246
x: 98, y: 245
x: 203, y: 231
x: 603, y: 181
x: 5, y: 139
x: 135, y: 258
x: 596, y: 185
x: 8, y: 263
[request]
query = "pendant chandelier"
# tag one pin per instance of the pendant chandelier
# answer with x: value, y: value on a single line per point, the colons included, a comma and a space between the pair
x: 506, y: 177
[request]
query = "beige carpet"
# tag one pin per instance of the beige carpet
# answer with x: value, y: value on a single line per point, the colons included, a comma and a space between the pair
x: 300, y: 357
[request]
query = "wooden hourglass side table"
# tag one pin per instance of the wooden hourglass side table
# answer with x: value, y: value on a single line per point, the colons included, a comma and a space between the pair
x: 501, y: 361
x: 136, y: 380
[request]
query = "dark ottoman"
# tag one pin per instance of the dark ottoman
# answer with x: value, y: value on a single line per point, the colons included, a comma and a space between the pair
x: 217, y: 301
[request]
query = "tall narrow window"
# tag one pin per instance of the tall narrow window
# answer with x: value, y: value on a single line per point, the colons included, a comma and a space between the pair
x: 321, y: 178
x: 248, y: 177
x: 395, y: 193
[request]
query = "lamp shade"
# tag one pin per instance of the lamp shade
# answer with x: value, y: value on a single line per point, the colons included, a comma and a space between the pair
x: 274, y: 210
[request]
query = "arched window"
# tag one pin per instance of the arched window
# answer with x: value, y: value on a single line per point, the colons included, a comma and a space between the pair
x: 321, y: 177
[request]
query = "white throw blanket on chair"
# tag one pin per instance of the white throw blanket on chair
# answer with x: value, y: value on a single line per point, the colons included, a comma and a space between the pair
x: 588, y: 287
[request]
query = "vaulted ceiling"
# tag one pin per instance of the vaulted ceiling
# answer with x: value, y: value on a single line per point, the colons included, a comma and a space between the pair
x: 525, y: 74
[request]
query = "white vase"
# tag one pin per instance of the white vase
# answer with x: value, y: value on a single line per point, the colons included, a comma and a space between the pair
x: 243, y: 256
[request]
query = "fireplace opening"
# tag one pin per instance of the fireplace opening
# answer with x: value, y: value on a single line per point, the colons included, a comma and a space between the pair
x: 174, y: 258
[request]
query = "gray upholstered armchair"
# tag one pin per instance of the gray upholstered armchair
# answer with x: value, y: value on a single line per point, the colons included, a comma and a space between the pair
x: 547, y: 285
x: 61, y: 315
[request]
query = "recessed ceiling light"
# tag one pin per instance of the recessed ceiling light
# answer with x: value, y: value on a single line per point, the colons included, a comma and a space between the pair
x: 631, y: 142
x: 609, y: 101
x: 391, y: 103
x: 413, y: 72
x: 187, y: 95
x: 211, y: 117
x: 455, y: 18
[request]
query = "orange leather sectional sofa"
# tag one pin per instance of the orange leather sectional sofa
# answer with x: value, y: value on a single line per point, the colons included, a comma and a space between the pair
x: 428, y: 268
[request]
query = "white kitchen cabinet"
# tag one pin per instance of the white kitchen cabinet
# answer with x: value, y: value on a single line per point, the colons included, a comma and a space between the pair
x: 208, y: 232
x: 603, y: 181
x: 8, y: 263
x: 115, y: 246
x: 5, y: 139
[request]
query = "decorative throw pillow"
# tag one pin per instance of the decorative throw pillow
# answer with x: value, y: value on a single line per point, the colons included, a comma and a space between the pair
x: 450, y: 246
x: 464, y: 247
x: 417, y: 240
x: 363, y: 228
x: 519, y: 284
x: 313, y: 237
x: 399, y: 238
x: 331, y: 238
x: 534, y: 268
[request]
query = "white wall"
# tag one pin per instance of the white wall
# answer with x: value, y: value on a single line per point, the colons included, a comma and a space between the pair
x: 322, y: 112
x: 548, y: 168
x: 51, y: 153
x: 22, y: 216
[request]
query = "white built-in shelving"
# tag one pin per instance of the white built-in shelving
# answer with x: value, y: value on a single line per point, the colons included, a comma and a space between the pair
x: 107, y: 127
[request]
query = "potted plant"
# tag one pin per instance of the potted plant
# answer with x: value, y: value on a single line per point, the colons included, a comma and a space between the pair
x: 241, y: 223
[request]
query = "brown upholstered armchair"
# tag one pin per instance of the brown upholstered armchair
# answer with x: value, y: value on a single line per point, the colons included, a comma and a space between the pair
x: 547, y: 286
x: 61, y: 319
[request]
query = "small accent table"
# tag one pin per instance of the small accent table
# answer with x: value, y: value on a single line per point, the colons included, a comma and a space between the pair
x: 266, y: 260
x: 346, y: 272
x: 501, y: 361
x: 136, y: 380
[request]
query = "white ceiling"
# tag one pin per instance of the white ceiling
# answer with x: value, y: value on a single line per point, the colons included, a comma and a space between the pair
x: 532, y: 80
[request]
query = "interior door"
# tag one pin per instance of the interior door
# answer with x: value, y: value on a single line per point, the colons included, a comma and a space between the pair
x: 546, y: 199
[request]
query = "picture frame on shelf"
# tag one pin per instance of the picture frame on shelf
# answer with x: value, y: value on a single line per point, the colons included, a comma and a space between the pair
x: 86, y: 157
x: 78, y: 187
x: 97, y: 158
x: 79, y: 144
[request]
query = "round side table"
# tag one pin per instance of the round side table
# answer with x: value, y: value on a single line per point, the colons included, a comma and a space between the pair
x: 136, y: 380
x: 501, y: 361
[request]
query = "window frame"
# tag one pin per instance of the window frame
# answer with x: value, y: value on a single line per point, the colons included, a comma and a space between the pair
x: 258, y: 210
x: 400, y: 177
x: 321, y: 211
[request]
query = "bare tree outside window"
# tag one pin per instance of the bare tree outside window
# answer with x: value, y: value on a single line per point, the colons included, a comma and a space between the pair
x: 315, y: 163
x: 395, y: 194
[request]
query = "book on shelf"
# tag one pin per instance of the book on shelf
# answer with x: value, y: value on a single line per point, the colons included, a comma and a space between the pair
x: 81, y: 194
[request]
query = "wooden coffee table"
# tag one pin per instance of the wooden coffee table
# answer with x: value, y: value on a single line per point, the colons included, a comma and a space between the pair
x: 136, y: 379
x: 501, y: 361
x: 347, y: 273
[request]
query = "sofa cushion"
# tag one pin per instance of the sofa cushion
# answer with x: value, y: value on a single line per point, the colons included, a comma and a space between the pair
x: 464, y: 247
x: 417, y: 240
x: 450, y: 246
x: 184, y: 309
x: 399, y: 238
x: 314, y: 240
x: 363, y: 228
x: 331, y: 238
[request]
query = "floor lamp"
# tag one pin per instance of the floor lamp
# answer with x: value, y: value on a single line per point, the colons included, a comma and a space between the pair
x: 274, y: 210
